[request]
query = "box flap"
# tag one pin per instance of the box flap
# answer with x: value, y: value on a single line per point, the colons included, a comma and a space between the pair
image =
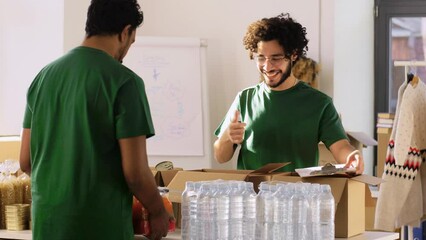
x: 224, y: 171
x: 167, y: 176
x: 368, y: 179
x: 362, y: 138
x: 270, y: 167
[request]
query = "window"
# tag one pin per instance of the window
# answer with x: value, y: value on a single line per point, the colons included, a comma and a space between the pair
x: 400, y: 43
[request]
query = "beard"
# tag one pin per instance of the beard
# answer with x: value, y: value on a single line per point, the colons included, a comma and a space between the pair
x: 121, y: 54
x: 284, y: 77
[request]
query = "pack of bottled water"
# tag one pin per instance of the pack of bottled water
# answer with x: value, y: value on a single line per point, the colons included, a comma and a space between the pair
x: 231, y: 210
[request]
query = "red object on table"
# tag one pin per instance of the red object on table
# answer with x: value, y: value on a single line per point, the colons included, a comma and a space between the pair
x: 140, y: 217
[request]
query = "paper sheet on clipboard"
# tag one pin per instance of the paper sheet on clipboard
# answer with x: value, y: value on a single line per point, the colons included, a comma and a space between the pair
x: 326, y: 170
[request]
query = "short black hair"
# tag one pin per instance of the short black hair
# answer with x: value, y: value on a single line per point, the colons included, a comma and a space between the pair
x: 109, y: 17
x: 290, y: 34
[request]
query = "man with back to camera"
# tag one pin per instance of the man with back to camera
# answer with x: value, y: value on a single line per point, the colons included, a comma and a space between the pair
x: 281, y: 119
x: 84, y: 138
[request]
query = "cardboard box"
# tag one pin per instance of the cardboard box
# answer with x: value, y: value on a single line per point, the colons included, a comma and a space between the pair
x: 349, y: 195
x: 370, y: 207
x: 163, y: 178
x: 383, y: 136
x: 9, y: 147
x: 177, y: 185
x: 359, y: 140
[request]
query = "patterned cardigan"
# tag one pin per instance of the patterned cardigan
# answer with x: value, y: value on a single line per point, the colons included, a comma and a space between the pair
x: 402, y: 197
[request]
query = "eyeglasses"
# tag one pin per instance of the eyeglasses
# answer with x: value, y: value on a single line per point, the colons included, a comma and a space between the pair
x: 274, y: 60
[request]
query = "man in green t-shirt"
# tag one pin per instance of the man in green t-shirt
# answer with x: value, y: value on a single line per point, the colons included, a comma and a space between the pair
x: 84, y: 138
x: 281, y: 119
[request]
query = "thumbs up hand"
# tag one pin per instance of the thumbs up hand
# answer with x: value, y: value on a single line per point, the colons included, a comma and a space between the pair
x: 236, y: 129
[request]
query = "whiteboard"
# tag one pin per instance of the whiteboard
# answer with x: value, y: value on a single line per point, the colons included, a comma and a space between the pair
x: 171, y: 71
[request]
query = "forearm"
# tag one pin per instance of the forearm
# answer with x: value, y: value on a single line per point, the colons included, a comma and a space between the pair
x: 138, y: 176
x: 24, y: 155
x: 341, y: 150
x: 223, y: 149
x: 145, y: 190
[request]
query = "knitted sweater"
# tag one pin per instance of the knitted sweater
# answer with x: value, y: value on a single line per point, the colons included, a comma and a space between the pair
x: 403, y: 194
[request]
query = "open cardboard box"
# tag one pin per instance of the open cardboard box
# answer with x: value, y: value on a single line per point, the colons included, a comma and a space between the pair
x: 350, y: 196
x: 350, y: 193
x: 358, y: 140
x: 177, y: 185
x: 371, y: 195
x: 164, y: 177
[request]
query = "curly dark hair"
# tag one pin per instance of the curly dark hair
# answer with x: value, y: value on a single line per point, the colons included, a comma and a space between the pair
x: 290, y: 34
x: 109, y: 17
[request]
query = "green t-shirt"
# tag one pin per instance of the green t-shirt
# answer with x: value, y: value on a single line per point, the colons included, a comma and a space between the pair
x: 284, y: 126
x: 77, y: 108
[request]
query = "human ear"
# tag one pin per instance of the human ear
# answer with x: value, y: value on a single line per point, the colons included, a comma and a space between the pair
x: 125, y: 33
x: 293, y: 57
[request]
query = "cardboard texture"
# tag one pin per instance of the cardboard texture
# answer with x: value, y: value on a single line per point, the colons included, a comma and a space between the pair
x: 9, y: 147
x: 163, y: 178
x: 359, y: 140
x: 370, y: 208
x: 177, y: 185
x: 349, y: 195
x: 383, y: 136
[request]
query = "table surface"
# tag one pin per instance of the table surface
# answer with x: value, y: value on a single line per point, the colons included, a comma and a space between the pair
x: 26, y: 235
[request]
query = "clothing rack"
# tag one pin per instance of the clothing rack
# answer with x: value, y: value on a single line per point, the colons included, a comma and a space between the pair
x: 407, y: 64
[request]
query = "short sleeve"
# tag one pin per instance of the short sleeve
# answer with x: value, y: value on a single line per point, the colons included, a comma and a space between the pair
x: 27, y: 117
x: 227, y: 119
x: 331, y: 128
x: 132, y: 112
x: 31, y: 97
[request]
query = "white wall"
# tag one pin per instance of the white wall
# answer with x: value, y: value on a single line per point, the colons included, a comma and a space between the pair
x: 31, y: 35
x: 354, y: 68
x: 340, y: 33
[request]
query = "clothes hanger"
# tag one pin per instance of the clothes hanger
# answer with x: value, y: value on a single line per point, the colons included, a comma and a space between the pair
x: 414, y: 81
x: 412, y: 78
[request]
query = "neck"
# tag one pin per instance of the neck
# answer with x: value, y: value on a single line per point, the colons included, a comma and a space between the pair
x: 290, y: 82
x: 108, y: 44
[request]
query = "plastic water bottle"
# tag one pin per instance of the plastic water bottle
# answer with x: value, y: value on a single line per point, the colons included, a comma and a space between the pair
x: 260, y: 211
x: 326, y: 213
x: 249, y: 212
x: 307, y: 188
x: 186, y: 211
x: 236, y: 211
x: 315, y: 211
x: 279, y: 208
x: 283, y: 228
x: 222, y: 213
x: 205, y: 221
x: 287, y: 218
x: 265, y: 211
x: 300, y: 212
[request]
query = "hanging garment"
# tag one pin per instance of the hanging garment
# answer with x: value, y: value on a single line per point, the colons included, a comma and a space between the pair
x: 401, y: 197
